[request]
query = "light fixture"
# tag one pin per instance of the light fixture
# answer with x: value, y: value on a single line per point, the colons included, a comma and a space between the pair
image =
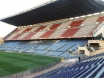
x: 96, y: 13
x: 102, y: 12
x: 89, y: 15
x: 77, y: 17
x: 71, y: 18
x: 83, y: 16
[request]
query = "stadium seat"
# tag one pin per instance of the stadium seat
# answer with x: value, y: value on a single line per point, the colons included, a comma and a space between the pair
x: 27, y: 30
x: 64, y: 25
x: 90, y: 21
x: 77, y: 23
x: 57, y: 33
x: 47, y: 34
x: 69, y: 33
x: 55, y: 26
x: 84, y: 31
x: 22, y: 36
x: 37, y: 35
x: 87, y: 69
x: 27, y: 37
x: 11, y: 36
x: 33, y: 29
x: 16, y: 37
x: 101, y: 19
x: 40, y: 28
x: 47, y: 27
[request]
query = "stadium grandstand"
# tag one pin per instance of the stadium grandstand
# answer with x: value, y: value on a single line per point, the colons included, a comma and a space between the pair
x: 58, y: 39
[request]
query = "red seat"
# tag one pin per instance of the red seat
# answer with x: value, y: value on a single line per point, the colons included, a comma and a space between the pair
x: 16, y: 37
x: 17, y: 30
x: 101, y: 19
x: 70, y: 32
x: 47, y: 34
x: 40, y: 28
x: 76, y: 23
x: 26, y: 30
x: 55, y: 26
x: 29, y: 36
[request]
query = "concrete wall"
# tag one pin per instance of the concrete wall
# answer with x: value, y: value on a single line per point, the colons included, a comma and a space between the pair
x: 85, y: 50
x: 97, y: 52
x: 101, y: 43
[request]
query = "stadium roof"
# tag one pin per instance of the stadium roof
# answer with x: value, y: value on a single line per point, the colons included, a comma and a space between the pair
x: 58, y: 9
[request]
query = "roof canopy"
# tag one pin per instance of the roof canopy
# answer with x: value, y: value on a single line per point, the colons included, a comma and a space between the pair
x: 56, y: 10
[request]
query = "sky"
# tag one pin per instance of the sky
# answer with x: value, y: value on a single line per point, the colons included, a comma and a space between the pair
x: 12, y: 7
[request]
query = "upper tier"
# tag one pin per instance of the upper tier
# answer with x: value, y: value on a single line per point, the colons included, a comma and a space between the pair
x: 82, y: 27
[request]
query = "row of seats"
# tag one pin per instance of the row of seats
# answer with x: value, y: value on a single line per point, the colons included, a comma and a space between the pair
x: 61, y: 48
x: 76, y: 28
x: 89, y: 68
x: 94, y: 56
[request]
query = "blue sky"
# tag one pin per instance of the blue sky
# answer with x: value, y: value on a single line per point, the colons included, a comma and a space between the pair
x: 11, y: 7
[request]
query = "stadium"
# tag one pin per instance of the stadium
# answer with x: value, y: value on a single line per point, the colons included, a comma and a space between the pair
x: 58, y: 39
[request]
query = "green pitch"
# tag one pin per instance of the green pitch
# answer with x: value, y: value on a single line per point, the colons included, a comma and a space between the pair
x: 11, y: 63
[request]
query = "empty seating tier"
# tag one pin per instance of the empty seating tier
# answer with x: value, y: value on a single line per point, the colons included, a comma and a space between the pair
x: 75, y: 28
x: 88, y: 69
x: 61, y: 48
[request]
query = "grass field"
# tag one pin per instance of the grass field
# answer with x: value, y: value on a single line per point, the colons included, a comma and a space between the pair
x: 11, y: 63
